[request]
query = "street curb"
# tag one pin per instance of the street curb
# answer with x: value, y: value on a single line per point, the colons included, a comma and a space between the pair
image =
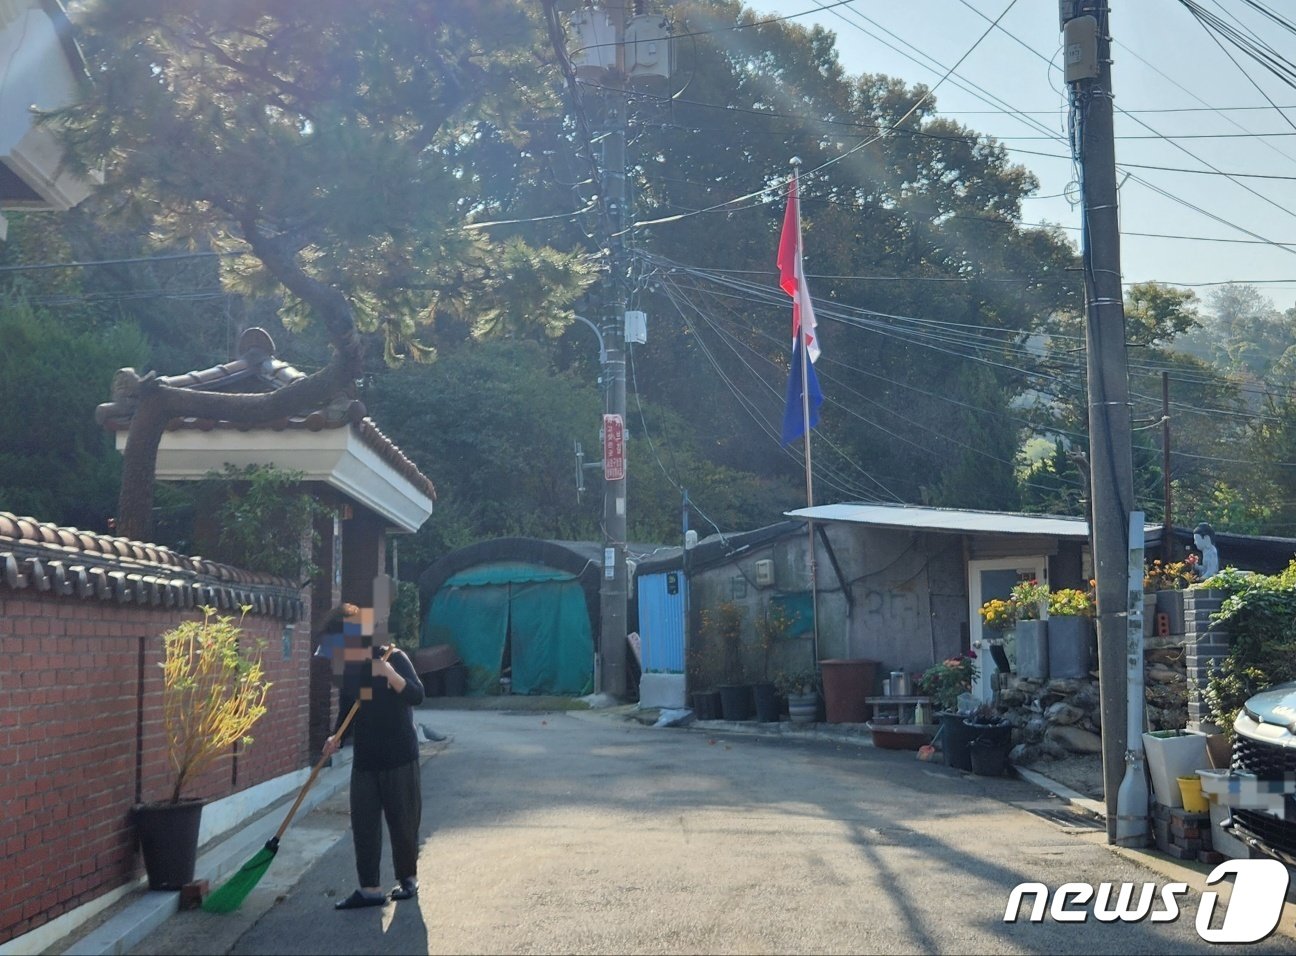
x: 144, y: 910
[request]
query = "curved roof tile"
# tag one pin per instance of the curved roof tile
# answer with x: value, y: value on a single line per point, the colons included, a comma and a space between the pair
x: 35, y: 554
x: 257, y: 370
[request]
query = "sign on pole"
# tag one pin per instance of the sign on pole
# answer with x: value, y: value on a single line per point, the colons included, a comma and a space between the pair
x: 613, y: 447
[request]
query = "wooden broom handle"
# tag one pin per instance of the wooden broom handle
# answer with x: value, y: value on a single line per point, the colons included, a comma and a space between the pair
x: 346, y: 722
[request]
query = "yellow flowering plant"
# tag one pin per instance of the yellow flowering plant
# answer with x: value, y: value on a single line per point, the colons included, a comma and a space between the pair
x: 1022, y: 604
x: 999, y: 614
x: 1070, y: 602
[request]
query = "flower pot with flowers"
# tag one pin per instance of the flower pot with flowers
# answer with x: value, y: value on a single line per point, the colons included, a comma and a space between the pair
x: 1027, y: 644
x: 213, y: 693
x: 1164, y: 583
x: 801, y: 688
x: 1070, y: 633
x: 945, y: 683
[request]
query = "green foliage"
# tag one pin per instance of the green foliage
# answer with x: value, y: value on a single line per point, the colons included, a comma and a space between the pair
x: 798, y: 683
x: 722, y: 629
x: 773, y: 626
x: 264, y: 520
x: 944, y: 682
x: 404, y: 621
x: 1158, y: 313
x: 494, y: 425
x: 56, y: 463
x: 1259, y: 612
x: 714, y: 654
x: 361, y: 133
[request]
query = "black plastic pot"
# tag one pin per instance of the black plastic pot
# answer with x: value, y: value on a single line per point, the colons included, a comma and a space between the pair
x: 956, y: 740
x: 766, y: 699
x: 736, y: 702
x: 706, y: 705
x: 989, y: 748
x: 168, y: 835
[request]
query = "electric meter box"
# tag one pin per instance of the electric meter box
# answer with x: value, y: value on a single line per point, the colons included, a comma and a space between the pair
x: 764, y: 573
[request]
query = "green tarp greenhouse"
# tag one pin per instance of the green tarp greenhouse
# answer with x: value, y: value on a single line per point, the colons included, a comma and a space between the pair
x: 528, y: 621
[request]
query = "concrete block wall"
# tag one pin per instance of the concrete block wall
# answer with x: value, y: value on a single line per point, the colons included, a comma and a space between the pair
x: 1205, y: 645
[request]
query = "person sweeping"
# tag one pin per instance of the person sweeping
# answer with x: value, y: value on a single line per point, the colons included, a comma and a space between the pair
x: 384, y: 775
x: 385, y: 780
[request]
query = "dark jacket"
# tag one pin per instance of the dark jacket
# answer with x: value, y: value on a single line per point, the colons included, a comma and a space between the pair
x: 382, y: 733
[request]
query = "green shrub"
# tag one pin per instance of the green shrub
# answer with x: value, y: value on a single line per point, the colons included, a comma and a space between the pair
x: 403, y: 622
x: 1259, y: 612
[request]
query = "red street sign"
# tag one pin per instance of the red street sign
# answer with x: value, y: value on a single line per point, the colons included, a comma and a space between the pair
x: 613, y: 448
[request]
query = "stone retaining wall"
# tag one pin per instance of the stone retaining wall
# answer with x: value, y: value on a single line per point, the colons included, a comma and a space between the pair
x: 1059, y: 718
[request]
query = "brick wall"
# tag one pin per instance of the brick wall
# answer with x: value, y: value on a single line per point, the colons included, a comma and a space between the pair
x: 81, y: 742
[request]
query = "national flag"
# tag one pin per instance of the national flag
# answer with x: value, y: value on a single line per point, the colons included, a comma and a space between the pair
x: 792, y: 275
x: 793, y: 412
x: 792, y: 280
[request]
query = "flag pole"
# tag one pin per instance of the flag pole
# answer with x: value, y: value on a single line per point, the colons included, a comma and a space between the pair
x: 805, y: 419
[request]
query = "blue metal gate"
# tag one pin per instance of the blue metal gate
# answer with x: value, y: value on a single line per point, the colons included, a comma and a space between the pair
x: 661, y: 621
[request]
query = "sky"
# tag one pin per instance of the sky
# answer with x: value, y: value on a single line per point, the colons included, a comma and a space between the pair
x: 1181, y: 103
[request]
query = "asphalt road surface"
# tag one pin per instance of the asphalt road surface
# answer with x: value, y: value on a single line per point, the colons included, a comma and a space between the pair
x: 579, y: 833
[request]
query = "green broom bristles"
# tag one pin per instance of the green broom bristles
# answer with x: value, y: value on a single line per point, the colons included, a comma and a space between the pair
x: 229, y: 897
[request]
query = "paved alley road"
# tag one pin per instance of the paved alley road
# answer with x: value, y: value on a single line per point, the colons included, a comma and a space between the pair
x: 577, y: 833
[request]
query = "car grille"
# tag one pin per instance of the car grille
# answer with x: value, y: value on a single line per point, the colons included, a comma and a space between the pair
x: 1264, y: 760
x: 1275, y: 834
x: 1267, y: 762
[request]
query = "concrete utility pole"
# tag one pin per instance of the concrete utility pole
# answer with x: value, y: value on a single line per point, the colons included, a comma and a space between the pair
x: 1087, y: 54
x: 613, y: 589
x: 619, y: 48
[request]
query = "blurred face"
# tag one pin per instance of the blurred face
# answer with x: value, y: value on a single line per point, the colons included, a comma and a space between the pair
x: 351, y: 664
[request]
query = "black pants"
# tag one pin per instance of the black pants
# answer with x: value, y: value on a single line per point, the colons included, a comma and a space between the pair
x: 396, y: 795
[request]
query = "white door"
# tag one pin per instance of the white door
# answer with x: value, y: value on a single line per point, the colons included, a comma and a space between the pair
x: 989, y: 579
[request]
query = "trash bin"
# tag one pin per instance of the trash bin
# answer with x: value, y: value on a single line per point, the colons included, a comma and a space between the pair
x: 846, y: 685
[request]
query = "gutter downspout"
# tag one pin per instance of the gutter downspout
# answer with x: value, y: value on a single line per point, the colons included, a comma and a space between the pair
x: 1132, y: 797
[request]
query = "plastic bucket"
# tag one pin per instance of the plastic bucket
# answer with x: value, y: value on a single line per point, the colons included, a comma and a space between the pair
x: 1190, y: 790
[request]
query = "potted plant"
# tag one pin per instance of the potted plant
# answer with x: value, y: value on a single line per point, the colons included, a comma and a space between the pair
x: 771, y: 628
x: 801, y: 688
x: 1019, y: 619
x: 213, y: 693
x: 705, y: 666
x: 724, y: 627
x: 944, y: 683
x: 991, y: 740
x: 1070, y: 633
x: 1029, y: 651
x: 1164, y: 583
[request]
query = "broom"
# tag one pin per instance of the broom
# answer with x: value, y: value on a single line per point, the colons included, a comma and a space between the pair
x: 231, y: 895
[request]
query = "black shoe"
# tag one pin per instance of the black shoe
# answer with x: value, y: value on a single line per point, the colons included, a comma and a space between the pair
x: 360, y: 899
x: 405, y: 889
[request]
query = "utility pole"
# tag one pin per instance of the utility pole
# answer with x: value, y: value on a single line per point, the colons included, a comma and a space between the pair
x: 1167, y: 521
x: 1087, y: 54
x: 613, y: 589
x: 618, y: 48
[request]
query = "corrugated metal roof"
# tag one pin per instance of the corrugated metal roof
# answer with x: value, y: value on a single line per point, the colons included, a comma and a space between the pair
x: 947, y: 519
